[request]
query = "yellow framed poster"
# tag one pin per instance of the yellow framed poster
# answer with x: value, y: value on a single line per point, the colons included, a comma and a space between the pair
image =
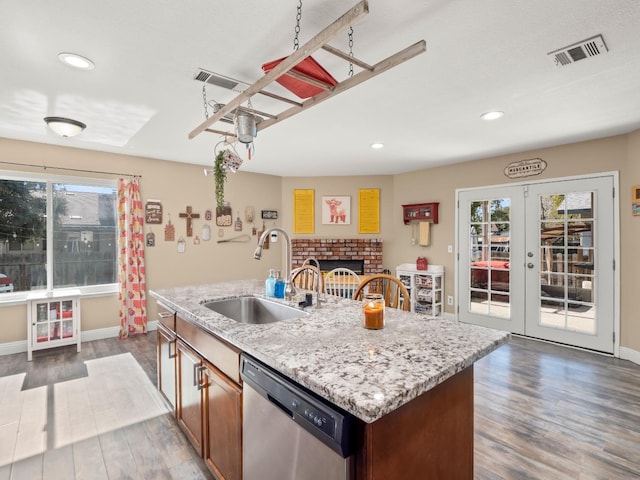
x: 369, y: 210
x: 303, y: 213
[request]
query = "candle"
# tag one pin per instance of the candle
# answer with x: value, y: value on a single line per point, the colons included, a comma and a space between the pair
x: 373, y: 312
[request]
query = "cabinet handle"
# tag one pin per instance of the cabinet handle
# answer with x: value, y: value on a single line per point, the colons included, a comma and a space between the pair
x: 172, y: 355
x: 195, y: 374
x: 204, y: 383
x: 165, y: 314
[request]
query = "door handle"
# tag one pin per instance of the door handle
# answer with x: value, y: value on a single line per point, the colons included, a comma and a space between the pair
x: 172, y: 355
x: 530, y: 265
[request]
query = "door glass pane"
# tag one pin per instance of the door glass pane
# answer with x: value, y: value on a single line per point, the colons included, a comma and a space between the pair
x: 567, y: 272
x: 489, y: 228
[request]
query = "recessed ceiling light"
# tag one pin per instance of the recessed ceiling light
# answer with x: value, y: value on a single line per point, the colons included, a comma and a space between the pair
x: 492, y: 115
x: 377, y: 145
x: 76, y: 61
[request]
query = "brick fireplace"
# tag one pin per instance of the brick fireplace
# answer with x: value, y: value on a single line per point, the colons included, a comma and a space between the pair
x: 369, y: 250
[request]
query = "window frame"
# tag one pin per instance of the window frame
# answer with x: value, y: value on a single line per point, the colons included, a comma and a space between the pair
x: 14, y: 297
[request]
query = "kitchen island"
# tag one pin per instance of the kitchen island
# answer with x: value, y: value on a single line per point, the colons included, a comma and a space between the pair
x: 410, y: 384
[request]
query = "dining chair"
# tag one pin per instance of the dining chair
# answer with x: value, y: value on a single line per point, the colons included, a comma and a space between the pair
x: 341, y: 282
x: 307, y: 278
x: 394, y: 292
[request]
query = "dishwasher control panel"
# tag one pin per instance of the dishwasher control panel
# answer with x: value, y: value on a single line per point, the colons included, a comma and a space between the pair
x: 325, y: 421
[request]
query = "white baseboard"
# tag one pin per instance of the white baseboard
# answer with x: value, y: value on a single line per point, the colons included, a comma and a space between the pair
x: 630, y: 354
x: 87, y: 336
x: 13, y: 347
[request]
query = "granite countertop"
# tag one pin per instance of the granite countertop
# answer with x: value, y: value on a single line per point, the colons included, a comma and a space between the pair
x: 369, y: 373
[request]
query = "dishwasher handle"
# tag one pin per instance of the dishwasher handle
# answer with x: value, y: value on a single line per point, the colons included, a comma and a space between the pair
x: 280, y: 405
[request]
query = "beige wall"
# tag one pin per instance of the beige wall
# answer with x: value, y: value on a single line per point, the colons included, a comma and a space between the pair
x: 629, y: 248
x: 342, y: 186
x: 178, y: 185
x: 620, y: 153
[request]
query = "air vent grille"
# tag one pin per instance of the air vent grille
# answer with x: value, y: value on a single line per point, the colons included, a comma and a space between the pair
x: 588, y: 48
x: 218, y: 80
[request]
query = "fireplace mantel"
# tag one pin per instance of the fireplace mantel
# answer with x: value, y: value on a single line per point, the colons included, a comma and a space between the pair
x: 369, y: 250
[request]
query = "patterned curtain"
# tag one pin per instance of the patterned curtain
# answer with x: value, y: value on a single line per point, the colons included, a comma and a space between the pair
x: 132, y: 298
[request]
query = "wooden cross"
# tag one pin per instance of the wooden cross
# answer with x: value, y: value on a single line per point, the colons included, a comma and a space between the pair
x: 189, y: 215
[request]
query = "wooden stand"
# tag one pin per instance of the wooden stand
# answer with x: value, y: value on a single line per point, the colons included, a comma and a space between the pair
x: 429, y: 437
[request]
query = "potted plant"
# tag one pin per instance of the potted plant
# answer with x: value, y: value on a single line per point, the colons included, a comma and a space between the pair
x: 220, y: 175
x: 225, y: 160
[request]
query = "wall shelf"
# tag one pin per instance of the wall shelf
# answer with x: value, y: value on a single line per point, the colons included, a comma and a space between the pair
x: 422, y: 212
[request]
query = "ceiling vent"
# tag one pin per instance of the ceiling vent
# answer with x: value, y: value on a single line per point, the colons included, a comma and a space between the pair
x: 218, y: 80
x: 590, y: 47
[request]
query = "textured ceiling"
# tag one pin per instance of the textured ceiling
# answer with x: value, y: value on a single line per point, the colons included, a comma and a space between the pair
x: 141, y: 98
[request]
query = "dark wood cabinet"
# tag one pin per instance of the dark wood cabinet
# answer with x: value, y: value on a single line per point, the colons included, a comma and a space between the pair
x: 421, y: 212
x: 429, y: 437
x: 223, y: 425
x: 167, y: 365
x: 208, y: 395
x: 190, y: 406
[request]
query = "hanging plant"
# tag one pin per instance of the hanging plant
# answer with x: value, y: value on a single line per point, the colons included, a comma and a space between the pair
x: 220, y: 175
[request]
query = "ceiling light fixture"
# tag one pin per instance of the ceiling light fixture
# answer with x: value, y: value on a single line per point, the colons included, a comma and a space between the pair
x: 377, y: 145
x: 76, y: 61
x: 492, y: 115
x: 65, y: 127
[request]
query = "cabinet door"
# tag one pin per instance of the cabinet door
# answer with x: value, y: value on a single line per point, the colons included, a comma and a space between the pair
x: 223, y: 424
x: 167, y: 365
x: 189, y: 412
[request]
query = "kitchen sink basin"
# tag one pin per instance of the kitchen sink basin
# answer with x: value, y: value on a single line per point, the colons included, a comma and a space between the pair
x: 254, y: 310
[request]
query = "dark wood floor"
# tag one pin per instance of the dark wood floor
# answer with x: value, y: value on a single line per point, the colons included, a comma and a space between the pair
x: 550, y: 412
x: 542, y: 412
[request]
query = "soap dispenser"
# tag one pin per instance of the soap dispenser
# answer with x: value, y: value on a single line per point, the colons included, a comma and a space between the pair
x: 270, y: 284
x: 279, y: 289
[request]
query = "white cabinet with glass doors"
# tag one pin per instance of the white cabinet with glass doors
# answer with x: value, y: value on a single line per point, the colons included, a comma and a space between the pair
x: 53, y: 321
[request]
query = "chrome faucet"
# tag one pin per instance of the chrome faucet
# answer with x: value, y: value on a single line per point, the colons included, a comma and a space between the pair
x: 318, y: 285
x: 289, y: 290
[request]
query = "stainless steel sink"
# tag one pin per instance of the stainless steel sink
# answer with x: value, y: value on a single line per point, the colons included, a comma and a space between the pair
x: 254, y: 310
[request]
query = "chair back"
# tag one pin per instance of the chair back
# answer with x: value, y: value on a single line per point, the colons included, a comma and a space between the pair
x: 394, y: 292
x: 307, y: 278
x: 341, y: 282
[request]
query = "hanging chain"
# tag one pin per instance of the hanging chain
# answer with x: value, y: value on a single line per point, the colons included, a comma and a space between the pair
x: 296, y: 44
x: 204, y: 101
x: 351, y: 50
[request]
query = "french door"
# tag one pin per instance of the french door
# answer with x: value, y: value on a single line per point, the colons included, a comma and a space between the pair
x: 538, y: 260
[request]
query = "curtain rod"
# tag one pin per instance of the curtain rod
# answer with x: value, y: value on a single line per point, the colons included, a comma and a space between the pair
x: 45, y: 167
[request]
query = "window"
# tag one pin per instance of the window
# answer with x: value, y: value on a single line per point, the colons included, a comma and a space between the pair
x: 57, y: 233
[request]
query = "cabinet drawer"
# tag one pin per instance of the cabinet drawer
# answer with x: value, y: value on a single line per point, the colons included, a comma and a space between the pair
x: 167, y: 317
x: 225, y: 357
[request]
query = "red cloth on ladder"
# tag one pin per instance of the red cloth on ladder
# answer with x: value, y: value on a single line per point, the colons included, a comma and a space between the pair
x: 308, y: 67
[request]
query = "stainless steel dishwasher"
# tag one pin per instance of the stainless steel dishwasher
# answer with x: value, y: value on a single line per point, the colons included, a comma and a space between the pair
x: 289, y: 433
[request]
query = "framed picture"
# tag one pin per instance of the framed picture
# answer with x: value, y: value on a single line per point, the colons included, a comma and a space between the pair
x: 336, y: 210
x: 635, y: 200
x: 269, y: 214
